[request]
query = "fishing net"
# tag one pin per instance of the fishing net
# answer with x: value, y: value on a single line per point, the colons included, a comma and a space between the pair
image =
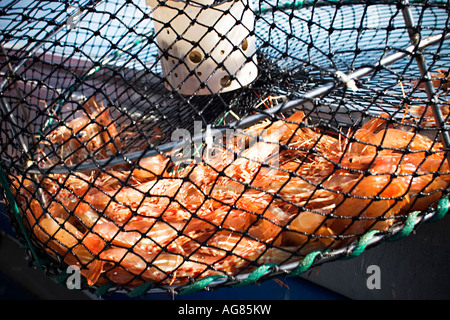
x: 177, y: 146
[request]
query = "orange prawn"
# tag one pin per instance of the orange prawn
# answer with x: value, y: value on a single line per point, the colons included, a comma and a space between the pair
x: 84, y: 136
x: 62, y: 238
x: 280, y: 187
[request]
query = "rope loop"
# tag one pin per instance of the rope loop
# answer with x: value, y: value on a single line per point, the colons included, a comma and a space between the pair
x: 200, y: 284
x: 441, y: 210
x: 362, y: 243
x: 103, y: 289
x: 305, y: 264
x: 255, y: 275
x: 410, y: 223
x: 140, y: 290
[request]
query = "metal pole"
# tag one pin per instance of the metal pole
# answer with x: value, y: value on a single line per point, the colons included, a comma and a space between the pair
x: 415, y: 37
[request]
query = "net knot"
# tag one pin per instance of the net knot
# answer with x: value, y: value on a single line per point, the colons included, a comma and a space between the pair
x: 346, y: 80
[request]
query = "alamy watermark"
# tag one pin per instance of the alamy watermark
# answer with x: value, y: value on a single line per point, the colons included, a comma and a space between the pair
x: 73, y: 282
x: 374, y: 279
x: 229, y: 144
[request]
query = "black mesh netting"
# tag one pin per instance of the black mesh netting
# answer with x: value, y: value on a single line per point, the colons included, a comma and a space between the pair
x: 169, y: 141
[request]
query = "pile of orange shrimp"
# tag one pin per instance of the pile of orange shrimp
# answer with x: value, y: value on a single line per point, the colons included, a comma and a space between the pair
x: 155, y: 221
x: 441, y: 82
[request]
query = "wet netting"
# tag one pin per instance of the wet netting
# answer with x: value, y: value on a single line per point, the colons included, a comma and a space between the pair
x: 177, y: 146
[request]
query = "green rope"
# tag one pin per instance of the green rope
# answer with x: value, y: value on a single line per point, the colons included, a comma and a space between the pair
x: 255, y: 275
x: 362, y: 243
x: 410, y: 223
x: 103, y: 289
x: 140, y: 290
x: 200, y: 284
x: 441, y: 210
x: 306, y: 263
x: 60, y: 279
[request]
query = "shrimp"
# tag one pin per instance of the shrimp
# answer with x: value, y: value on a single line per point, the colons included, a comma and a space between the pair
x: 280, y: 255
x: 22, y: 189
x: 158, y: 236
x: 415, y: 178
x: 367, y: 211
x: 311, y: 228
x: 85, y: 136
x: 69, y: 138
x: 231, y: 252
x: 364, y: 136
x: 123, y: 266
x: 403, y: 140
x: 148, y: 199
x: 377, y: 134
x: 305, y: 224
x: 373, y: 200
x: 426, y: 179
x: 150, y: 167
x: 102, y: 115
x: 131, y: 268
x: 266, y: 228
x: 247, y: 165
x: 138, y: 231
x: 212, y: 216
x: 440, y: 80
x: 423, y: 115
x: 62, y: 238
x: 426, y: 115
x: 278, y: 188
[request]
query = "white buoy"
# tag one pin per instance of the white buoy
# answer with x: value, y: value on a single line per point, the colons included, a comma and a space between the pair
x: 205, y: 48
